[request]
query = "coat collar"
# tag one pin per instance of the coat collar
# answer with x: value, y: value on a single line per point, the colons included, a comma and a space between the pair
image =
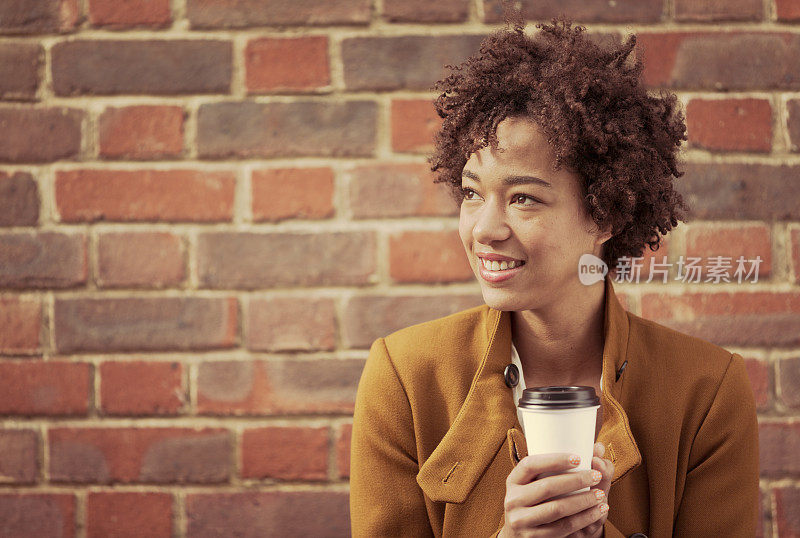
x: 488, y: 415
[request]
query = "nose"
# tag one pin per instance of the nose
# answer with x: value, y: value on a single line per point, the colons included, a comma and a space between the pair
x: 490, y: 225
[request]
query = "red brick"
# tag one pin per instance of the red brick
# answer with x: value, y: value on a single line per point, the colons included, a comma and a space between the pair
x: 779, y: 444
x: 145, y: 323
x: 37, y: 515
x: 386, y: 190
x: 19, y: 200
x: 793, y: 123
x: 20, y: 326
x: 740, y: 191
x: 707, y: 240
x: 141, y: 388
x: 297, y: 128
x: 343, y: 450
x: 369, y: 317
x: 702, y: 60
x: 44, y: 388
x: 758, y: 372
x: 149, y: 259
x: 159, y: 67
x: 429, y: 256
x: 716, y: 10
x: 787, y: 515
x: 265, y: 260
x: 39, y: 135
x: 287, y: 64
x: 114, y: 14
x: 730, y: 124
x: 283, y: 193
x: 795, y: 249
x: 116, y: 514
x: 144, y: 195
x: 763, y: 505
x: 20, y: 450
x: 291, y: 324
x: 278, y: 386
x: 141, y: 132
x: 402, y: 62
x: 580, y: 10
x: 725, y: 318
x: 789, y: 380
x: 268, y: 513
x: 414, y: 123
x: 787, y: 10
x: 140, y: 455
x: 285, y: 453
x: 41, y: 17
x: 42, y: 260
x: 248, y: 13
x: 20, y: 68
x: 424, y: 11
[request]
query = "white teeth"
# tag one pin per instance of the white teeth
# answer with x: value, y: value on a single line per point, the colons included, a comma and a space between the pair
x: 499, y: 266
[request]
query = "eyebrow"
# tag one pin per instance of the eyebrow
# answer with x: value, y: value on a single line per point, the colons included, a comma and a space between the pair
x: 511, y: 180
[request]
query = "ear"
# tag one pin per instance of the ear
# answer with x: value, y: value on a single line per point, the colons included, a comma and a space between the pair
x: 602, y: 235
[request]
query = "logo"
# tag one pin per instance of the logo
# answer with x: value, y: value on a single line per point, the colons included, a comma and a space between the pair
x: 591, y: 269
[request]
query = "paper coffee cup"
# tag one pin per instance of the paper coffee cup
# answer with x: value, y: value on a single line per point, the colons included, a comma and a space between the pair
x: 560, y: 419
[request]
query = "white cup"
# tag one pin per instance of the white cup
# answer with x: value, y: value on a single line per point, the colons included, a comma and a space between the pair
x: 561, y: 419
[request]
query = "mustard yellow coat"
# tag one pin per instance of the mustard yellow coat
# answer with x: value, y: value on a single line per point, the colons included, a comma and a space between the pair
x: 435, y: 431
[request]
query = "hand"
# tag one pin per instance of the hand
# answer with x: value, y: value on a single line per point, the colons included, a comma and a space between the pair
x: 595, y: 530
x: 531, y: 511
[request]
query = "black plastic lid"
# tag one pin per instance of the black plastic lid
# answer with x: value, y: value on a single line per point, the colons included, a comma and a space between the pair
x: 558, y: 397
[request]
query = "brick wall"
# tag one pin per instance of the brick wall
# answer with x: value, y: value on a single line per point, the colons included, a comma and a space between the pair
x: 210, y: 208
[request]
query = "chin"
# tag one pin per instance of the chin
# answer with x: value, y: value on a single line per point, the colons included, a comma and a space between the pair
x: 503, y: 300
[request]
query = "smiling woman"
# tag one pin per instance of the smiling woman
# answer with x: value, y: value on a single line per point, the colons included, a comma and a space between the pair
x: 556, y: 154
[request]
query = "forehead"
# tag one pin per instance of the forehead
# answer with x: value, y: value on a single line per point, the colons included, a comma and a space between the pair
x: 523, y: 144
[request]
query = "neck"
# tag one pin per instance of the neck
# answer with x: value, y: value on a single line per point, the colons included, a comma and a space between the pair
x: 562, y: 345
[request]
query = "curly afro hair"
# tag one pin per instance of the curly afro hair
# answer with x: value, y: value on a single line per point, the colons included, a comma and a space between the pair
x: 594, y: 111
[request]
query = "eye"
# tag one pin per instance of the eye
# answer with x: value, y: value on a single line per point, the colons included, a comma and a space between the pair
x: 467, y: 193
x: 533, y: 201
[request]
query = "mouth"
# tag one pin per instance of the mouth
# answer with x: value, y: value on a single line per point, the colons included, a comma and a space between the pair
x: 498, y: 270
x: 498, y: 266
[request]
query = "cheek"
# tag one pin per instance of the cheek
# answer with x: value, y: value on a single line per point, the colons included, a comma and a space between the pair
x: 465, y: 229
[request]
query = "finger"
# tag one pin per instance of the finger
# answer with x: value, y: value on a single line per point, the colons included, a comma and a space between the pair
x: 531, y: 466
x: 552, y: 511
x: 604, y: 466
x: 599, y: 449
x: 551, y: 487
x: 594, y: 529
x: 572, y: 523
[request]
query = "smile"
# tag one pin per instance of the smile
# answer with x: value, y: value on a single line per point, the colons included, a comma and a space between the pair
x: 500, y: 266
x: 498, y: 270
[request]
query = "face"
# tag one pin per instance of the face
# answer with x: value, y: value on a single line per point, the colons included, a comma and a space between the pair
x: 518, y: 209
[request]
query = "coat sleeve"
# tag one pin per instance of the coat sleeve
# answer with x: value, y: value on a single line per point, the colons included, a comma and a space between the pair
x: 721, y: 492
x: 385, y: 499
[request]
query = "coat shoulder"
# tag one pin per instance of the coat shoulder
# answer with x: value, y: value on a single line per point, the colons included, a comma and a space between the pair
x: 682, y: 357
x: 446, y: 343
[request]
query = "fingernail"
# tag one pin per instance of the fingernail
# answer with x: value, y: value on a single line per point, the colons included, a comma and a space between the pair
x: 600, y: 494
x: 574, y: 459
x: 597, y: 476
x: 603, y: 508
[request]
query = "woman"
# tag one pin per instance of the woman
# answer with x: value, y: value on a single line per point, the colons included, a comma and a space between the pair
x: 555, y: 151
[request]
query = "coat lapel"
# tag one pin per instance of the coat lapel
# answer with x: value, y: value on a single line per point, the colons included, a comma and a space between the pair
x: 488, y: 416
x: 480, y: 427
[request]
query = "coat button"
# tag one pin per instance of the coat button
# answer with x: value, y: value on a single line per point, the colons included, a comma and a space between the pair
x: 511, y: 375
